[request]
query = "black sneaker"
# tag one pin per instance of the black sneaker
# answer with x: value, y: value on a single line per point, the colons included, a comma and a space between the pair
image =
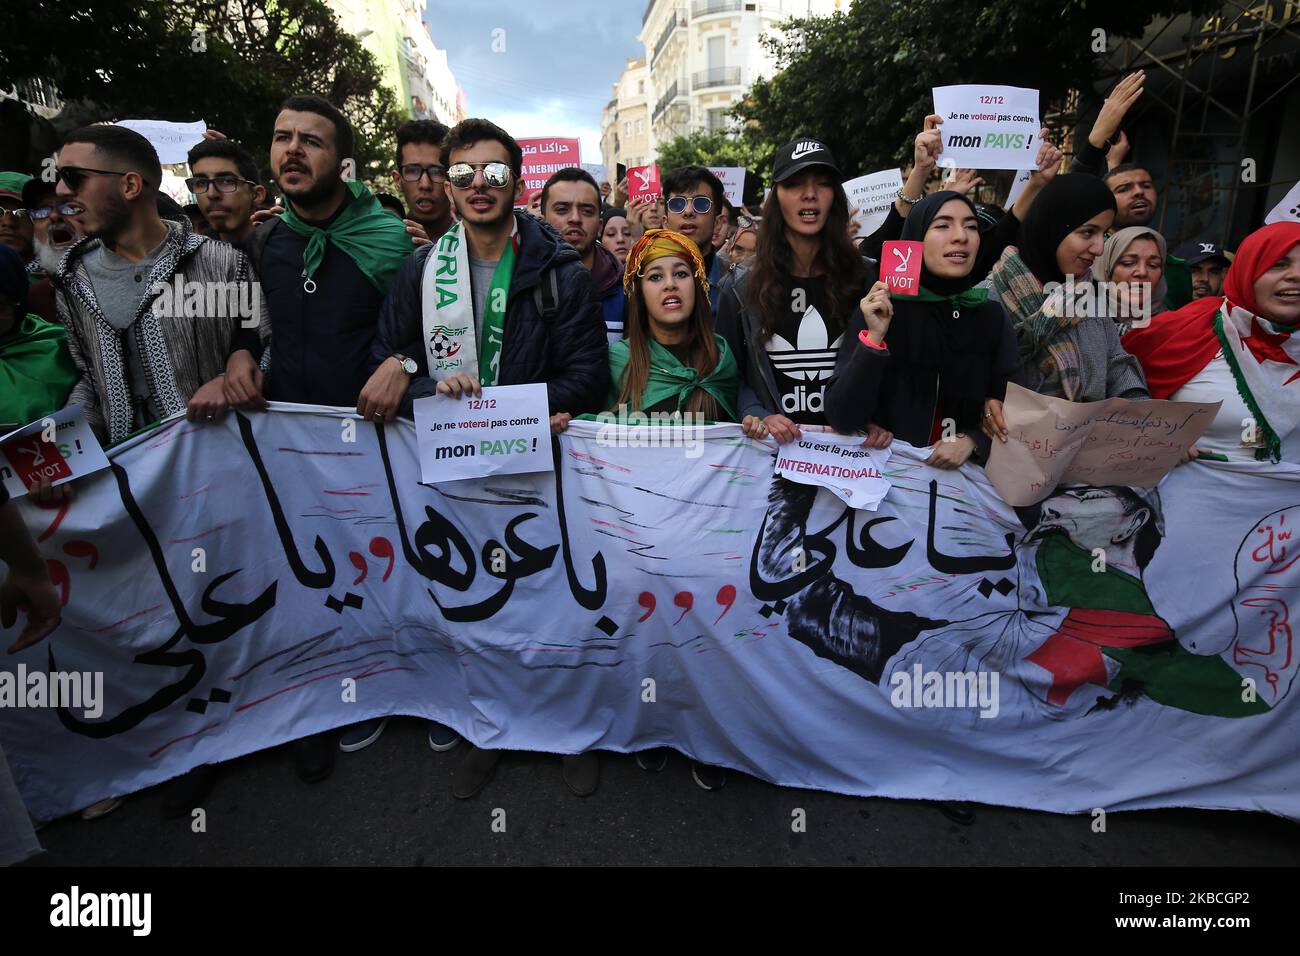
x: 189, y: 790
x: 652, y: 760
x: 313, y: 757
x: 708, y: 778
x: 474, y: 772
x: 581, y: 772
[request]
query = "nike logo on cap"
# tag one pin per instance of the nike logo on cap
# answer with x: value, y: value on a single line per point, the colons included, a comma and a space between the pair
x: 806, y: 147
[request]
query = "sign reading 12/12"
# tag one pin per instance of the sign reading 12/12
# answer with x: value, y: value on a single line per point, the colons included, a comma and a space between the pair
x: 505, y: 432
x: 988, y: 127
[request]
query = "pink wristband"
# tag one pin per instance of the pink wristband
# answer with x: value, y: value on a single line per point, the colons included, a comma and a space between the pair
x: 863, y: 338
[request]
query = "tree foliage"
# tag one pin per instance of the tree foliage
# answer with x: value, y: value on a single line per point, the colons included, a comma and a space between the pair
x: 860, y: 81
x: 228, y: 62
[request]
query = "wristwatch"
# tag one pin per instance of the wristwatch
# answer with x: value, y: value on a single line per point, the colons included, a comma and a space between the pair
x: 408, y: 364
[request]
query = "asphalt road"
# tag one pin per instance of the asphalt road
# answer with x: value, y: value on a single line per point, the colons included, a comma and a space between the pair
x: 391, y: 804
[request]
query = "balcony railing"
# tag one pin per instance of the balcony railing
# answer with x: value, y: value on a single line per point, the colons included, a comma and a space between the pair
x: 673, y: 23
x: 702, y: 8
x: 718, y: 76
x: 665, y: 101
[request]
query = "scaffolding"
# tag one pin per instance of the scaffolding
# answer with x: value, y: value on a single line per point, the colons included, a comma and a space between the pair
x: 1209, y: 80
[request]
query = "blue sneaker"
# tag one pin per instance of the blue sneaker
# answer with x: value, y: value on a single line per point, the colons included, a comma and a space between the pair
x: 362, y: 735
x: 442, y: 738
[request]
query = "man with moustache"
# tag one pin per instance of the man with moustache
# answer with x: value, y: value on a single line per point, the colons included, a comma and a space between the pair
x: 1208, y: 262
x: 15, y: 225
x: 422, y: 177
x: 324, y: 266
x: 56, y: 228
x: 1135, y: 195
x: 223, y: 178
x: 571, y: 204
x: 521, y: 310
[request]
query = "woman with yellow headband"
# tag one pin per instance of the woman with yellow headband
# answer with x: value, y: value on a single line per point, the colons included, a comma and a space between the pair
x: 671, y: 361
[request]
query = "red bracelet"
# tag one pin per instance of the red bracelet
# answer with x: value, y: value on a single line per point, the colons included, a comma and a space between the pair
x: 863, y: 338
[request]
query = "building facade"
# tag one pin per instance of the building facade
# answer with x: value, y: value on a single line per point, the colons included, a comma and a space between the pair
x: 700, y: 58
x: 411, y: 63
x: 625, y: 121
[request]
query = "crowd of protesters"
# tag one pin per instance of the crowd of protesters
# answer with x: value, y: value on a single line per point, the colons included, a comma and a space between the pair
x: 774, y: 318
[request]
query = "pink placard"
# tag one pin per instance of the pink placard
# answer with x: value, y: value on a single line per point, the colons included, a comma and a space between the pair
x: 900, y: 266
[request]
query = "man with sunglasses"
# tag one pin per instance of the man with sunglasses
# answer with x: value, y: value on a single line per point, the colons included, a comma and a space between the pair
x: 56, y: 228
x: 224, y: 180
x: 422, y: 176
x: 15, y: 223
x: 520, y: 309
x: 694, y: 197
x: 138, y: 359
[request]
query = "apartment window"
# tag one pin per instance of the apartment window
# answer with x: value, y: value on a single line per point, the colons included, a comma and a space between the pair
x: 640, y: 127
x: 716, y: 120
x: 627, y: 128
x: 717, y: 52
x: 640, y: 86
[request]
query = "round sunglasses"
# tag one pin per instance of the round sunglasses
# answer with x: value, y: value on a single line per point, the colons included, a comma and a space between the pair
x: 701, y: 204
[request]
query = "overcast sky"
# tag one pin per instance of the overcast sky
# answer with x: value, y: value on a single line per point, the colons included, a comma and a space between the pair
x: 558, y: 67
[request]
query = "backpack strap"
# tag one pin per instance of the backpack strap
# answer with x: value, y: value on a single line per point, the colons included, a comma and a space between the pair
x: 546, y: 296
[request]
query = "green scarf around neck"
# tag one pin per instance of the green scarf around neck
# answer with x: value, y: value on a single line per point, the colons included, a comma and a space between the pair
x: 36, y: 370
x: 669, y: 378
x: 969, y: 299
x: 371, y: 236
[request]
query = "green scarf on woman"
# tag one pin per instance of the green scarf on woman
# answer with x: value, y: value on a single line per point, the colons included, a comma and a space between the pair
x: 36, y: 370
x: 669, y: 378
x: 371, y: 236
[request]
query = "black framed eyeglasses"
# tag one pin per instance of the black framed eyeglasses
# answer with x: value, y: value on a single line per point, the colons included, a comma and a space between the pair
x: 496, y: 175
x: 74, y: 176
x: 225, y: 184
x: 17, y: 214
x: 414, y: 172
x: 701, y: 204
x: 64, y: 209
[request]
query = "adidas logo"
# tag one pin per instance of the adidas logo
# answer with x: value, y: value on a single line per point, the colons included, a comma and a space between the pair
x: 813, y: 358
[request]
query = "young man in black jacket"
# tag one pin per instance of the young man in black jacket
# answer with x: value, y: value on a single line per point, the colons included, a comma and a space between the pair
x: 514, y: 306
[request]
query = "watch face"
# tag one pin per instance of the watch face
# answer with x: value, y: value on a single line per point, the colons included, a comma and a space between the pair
x: 409, y: 366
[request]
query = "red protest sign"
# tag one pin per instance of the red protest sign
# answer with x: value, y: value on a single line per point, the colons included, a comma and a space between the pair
x: 900, y: 266
x: 35, y: 460
x: 643, y: 182
x: 544, y: 156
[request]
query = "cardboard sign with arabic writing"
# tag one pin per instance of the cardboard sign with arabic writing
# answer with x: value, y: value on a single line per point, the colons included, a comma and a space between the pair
x: 1114, y: 442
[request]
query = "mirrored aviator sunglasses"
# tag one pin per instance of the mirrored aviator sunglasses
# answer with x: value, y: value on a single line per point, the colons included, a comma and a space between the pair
x: 496, y: 175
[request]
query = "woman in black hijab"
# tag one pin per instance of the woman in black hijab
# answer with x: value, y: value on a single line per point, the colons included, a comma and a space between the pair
x: 1069, y: 343
x: 949, y: 348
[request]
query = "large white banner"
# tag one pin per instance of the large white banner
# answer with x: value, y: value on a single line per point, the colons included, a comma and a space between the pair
x: 242, y: 584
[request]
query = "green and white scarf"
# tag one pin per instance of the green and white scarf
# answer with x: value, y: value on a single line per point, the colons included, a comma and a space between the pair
x: 447, y: 309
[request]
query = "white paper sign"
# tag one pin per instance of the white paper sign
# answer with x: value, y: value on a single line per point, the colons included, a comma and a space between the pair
x: 598, y: 172
x: 1017, y: 187
x: 733, y: 182
x: 872, y: 195
x: 27, y: 455
x: 171, y: 140
x: 1288, y: 210
x: 506, y: 432
x: 856, y: 475
x: 988, y: 127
